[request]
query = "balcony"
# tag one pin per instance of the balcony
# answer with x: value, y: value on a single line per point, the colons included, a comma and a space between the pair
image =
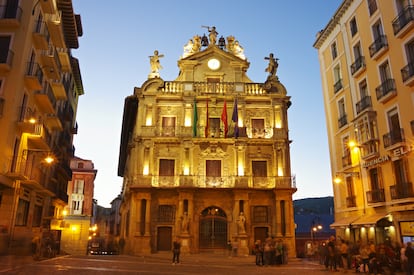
x: 379, y: 47
x: 6, y: 61
x: 40, y: 36
x: 50, y: 63
x: 45, y: 99
x: 402, y: 191
x: 358, y: 66
x: 342, y: 121
x: 386, y: 91
x: 404, y: 22
x: 39, y: 137
x: 172, y: 87
x: 26, y: 120
x: 10, y: 17
x: 48, y: 6
x: 64, y: 59
x: 393, y: 137
x: 202, y: 181
x: 53, y: 122
x: 33, y: 78
x: 54, y: 25
x: 351, y: 201
x: 363, y: 104
x: 407, y: 74
x: 376, y: 195
x: 168, y: 131
x: 338, y: 86
x: 58, y: 89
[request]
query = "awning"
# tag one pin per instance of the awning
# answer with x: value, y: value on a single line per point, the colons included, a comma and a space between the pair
x: 368, y: 219
x: 343, y: 222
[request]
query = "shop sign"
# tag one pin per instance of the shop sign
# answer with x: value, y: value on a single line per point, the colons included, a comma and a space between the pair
x: 407, y: 228
x: 376, y: 161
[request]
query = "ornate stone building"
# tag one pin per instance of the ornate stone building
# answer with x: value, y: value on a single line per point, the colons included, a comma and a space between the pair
x: 206, y: 157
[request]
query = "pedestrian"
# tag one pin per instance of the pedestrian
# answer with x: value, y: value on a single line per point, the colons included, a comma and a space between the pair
x: 258, y: 250
x: 403, y: 258
x: 176, y: 251
x: 229, y: 248
x: 332, y: 254
x: 344, y: 254
x: 267, y: 251
x: 235, y: 247
x: 409, y: 253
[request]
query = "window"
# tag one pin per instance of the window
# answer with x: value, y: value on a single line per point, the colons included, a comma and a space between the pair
x: 374, y: 176
x: 37, y: 215
x: 168, y: 126
x: 78, y: 187
x: 363, y: 90
x: 353, y: 26
x: 5, y: 55
x: 350, y: 192
x: 365, y: 99
x: 260, y: 214
x: 80, y: 165
x: 166, y: 167
x: 395, y: 134
x: 346, y: 152
x: 337, y: 78
x: 377, y: 30
x: 213, y: 168
x: 357, y: 51
x: 22, y: 212
x: 166, y: 213
x: 214, y: 127
x: 259, y: 168
x: 342, y: 113
x: 334, y: 51
x: 372, y: 6
x: 258, y: 128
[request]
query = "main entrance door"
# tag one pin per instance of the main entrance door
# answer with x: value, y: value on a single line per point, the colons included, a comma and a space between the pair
x: 213, y: 228
x: 164, y: 238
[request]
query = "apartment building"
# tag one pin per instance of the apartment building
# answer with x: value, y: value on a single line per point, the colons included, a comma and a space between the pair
x: 206, y: 157
x: 40, y: 83
x: 366, y: 55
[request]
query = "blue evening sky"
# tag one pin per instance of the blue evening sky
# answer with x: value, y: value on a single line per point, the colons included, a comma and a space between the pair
x: 119, y: 36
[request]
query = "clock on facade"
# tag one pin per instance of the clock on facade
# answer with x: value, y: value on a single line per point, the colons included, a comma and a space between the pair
x: 213, y: 64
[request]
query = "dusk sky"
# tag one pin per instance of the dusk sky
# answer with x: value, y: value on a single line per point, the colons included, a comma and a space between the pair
x: 119, y: 36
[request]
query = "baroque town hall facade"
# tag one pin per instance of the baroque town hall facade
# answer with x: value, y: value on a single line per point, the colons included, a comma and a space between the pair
x: 205, y: 158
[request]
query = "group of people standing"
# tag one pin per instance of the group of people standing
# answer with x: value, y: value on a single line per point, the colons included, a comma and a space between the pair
x: 368, y: 257
x: 270, y: 252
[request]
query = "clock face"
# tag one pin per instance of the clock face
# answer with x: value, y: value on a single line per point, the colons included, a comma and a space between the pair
x: 213, y: 64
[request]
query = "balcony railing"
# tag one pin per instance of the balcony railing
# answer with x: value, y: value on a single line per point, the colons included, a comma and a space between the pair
x: 342, y: 121
x: 338, y: 86
x: 407, y: 72
x: 393, y: 137
x: 376, y: 195
x: 386, y: 90
x: 363, y: 104
x: 358, y: 65
x: 379, y: 43
x: 402, y: 191
x: 200, y: 181
x: 403, y: 19
x: 213, y: 88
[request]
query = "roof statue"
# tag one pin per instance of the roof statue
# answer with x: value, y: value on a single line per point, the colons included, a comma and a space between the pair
x: 155, y: 64
x: 272, y: 66
x: 196, y: 43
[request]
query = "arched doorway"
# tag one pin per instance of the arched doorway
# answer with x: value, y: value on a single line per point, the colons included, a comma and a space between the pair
x: 213, y: 228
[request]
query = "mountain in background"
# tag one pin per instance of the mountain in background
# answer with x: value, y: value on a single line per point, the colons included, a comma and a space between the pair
x: 315, y: 206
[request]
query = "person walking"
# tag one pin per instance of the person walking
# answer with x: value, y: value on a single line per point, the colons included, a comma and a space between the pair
x: 344, y: 254
x: 176, y: 251
x: 409, y: 253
